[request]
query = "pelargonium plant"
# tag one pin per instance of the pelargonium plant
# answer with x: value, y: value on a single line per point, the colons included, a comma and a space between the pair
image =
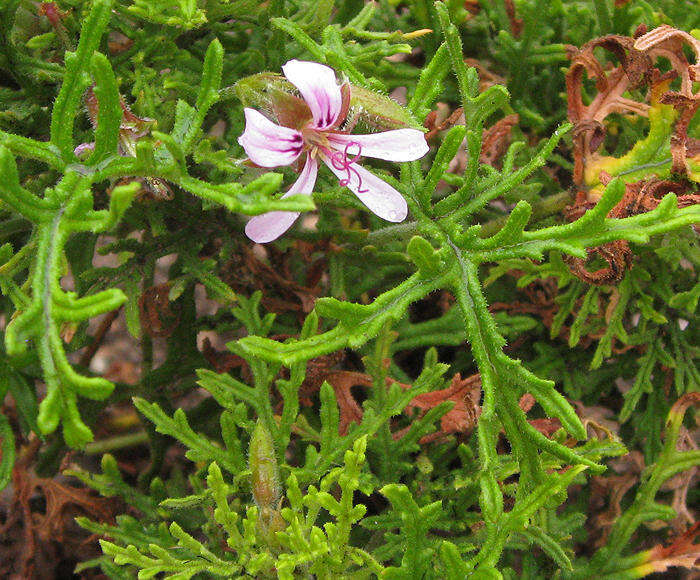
x: 490, y: 374
x: 314, y: 132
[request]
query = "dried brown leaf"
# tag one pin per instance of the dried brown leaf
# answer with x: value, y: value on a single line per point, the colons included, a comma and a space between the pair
x: 157, y: 317
x: 462, y: 418
x: 39, y: 532
x: 496, y: 139
x: 637, y: 57
x: 639, y: 197
x: 683, y: 552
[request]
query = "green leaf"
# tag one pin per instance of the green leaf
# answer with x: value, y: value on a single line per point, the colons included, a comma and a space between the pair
x: 109, y: 112
x: 424, y: 256
x: 200, y: 448
x: 208, y: 92
x: 7, y: 448
x: 76, y: 78
x: 549, y: 545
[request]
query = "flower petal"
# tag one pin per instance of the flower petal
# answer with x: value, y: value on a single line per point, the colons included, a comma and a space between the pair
x: 318, y: 85
x: 268, y: 144
x: 397, y: 145
x: 379, y: 197
x: 271, y: 225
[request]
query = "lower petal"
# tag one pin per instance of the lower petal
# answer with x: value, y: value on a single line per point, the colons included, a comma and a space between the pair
x: 271, y: 225
x: 379, y: 197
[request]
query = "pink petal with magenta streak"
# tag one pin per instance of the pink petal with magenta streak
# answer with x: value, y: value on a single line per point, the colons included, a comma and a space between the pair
x: 397, y: 145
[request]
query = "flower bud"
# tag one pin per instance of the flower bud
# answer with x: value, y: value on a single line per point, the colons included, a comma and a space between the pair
x: 265, y: 483
x: 263, y: 466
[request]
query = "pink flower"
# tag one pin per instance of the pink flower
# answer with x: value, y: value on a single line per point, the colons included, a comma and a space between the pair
x: 318, y: 137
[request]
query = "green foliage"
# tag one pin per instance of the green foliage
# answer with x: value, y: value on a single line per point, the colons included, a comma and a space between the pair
x: 289, y: 472
x: 252, y: 547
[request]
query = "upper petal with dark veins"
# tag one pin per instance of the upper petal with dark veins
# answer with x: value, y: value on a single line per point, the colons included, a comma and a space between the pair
x: 317, y: 84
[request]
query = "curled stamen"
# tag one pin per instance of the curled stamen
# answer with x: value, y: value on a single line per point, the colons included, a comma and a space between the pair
x: 357, y: 155
x: 342, y: 161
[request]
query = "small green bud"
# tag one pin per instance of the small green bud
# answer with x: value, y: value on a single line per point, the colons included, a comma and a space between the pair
x: 263, y: 466
x: 378, y: 112
x: 265, y: 482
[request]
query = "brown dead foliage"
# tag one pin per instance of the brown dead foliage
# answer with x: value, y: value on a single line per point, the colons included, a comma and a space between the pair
x: 639, y: 197
x: 317, y: 371
x: 436, y: 121
x: 472, y: 6
x: 516, y: 24
x: 248, y: 271
x: 157, y: 317
x: 668, y: 42
x: 589, y: 130
x: 462, y: 418
x: 342, y: 383
x: 118, y: 42
x: 496, y: 139
x: 546, y: 425
x: 39, y: 535
x: 637, y: 57
x: 684, y: 552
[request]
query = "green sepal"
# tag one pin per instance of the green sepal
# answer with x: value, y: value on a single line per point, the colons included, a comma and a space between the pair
x: 379, y: 112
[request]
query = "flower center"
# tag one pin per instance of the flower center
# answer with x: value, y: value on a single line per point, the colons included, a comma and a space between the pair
x: 344, y: 160
x: 314, y: 139
x: 317, y: 141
